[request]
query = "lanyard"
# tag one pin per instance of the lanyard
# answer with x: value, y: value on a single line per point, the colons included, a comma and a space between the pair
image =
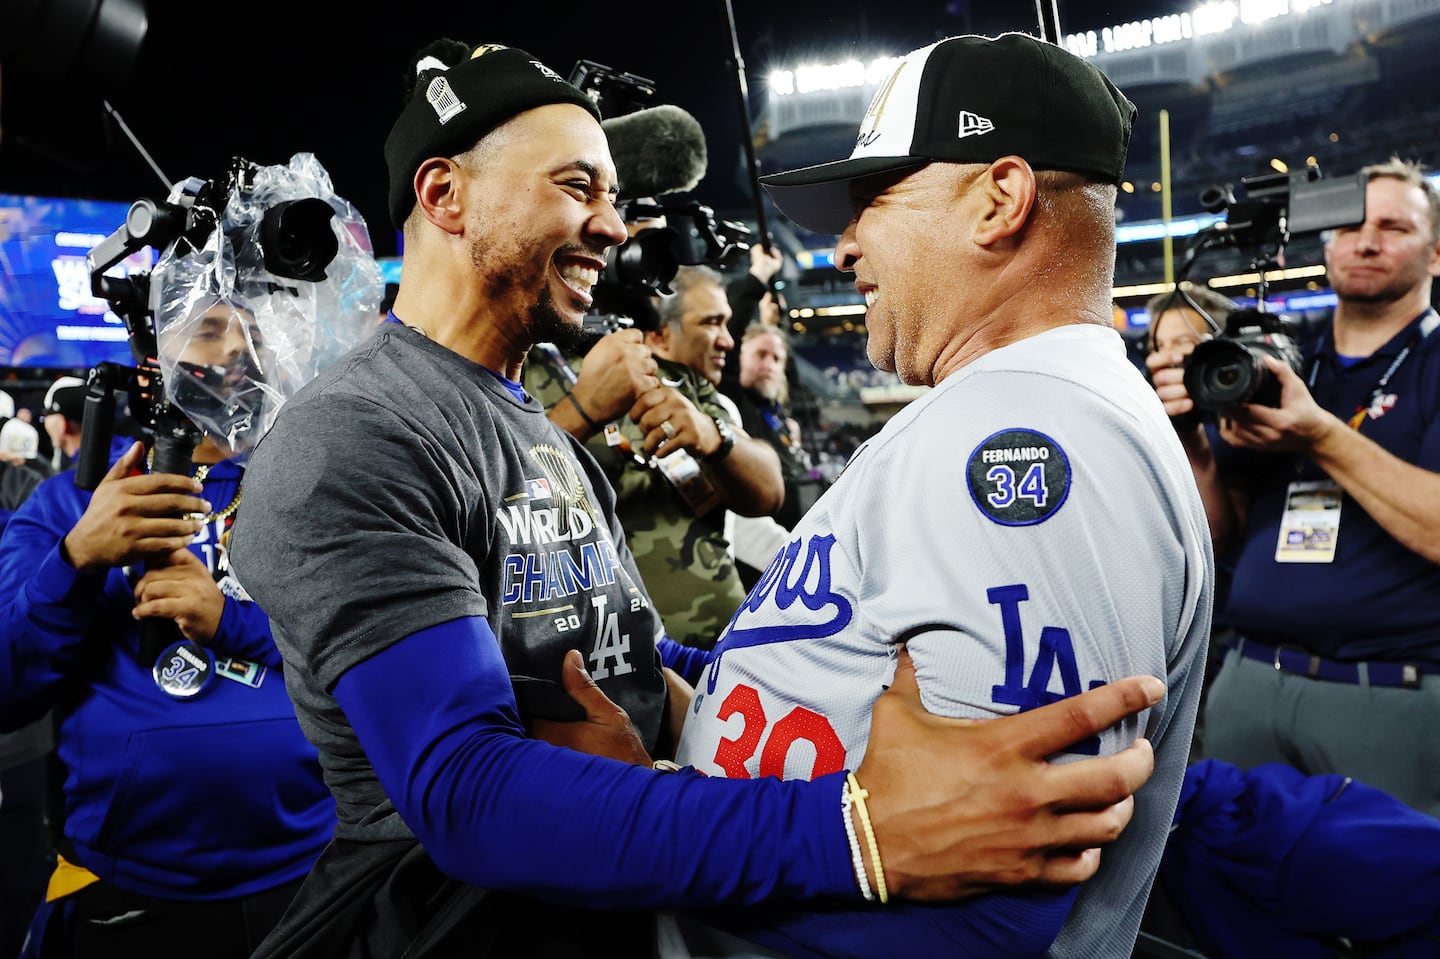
x: 1427, y: 326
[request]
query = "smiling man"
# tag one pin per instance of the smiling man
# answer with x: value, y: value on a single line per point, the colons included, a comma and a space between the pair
x: 1029, y: 528
x: 443, y: 564
x: 674, y: 506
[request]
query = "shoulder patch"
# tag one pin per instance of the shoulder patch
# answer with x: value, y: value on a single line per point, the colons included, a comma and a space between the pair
x: 1018, y: 477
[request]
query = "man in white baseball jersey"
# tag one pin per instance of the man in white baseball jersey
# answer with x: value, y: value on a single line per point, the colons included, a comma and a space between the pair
x: 1029, y: 528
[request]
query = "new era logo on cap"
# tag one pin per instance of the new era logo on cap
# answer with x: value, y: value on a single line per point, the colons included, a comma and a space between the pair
x: 971, y: 99
x: 973, y: 124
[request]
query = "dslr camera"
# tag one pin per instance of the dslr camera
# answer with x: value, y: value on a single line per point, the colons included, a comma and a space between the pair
x: 1230, y: 370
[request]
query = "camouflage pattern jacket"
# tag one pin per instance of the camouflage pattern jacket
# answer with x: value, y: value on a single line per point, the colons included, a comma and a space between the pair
x: 685, y: 560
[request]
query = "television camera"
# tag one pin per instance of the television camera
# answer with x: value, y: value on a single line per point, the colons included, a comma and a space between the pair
x: 1229, y: 369
x: 658, y: 150
x: 280, y: 254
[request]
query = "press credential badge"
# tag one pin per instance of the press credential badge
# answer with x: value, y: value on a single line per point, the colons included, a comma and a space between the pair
x: 1310, y: 525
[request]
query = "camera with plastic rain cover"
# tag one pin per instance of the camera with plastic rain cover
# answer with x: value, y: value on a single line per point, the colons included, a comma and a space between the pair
x: 263, y: 277
x: 1229, y: 369
x: 658, y: 150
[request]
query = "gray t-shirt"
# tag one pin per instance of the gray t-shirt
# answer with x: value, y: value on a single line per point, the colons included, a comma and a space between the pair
x: 406, y: 487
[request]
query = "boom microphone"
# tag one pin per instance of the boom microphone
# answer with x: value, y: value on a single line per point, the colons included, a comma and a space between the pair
x: 657, y: 150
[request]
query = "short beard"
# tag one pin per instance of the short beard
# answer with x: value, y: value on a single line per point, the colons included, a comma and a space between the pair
x: 548, y: 326
x: 766, y: 390
x: 1386, y: 294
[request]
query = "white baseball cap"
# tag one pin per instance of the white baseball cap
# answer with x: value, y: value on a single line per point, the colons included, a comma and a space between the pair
x: 18, y: 436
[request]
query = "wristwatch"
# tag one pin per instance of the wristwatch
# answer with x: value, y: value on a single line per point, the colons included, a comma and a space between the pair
x: 727, y: 441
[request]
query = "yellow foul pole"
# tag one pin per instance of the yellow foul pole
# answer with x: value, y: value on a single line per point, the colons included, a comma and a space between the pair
x: 1165, y: 195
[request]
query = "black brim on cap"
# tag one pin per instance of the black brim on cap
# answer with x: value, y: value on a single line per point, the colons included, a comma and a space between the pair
x: 971, y: 99
x: 818, y: 197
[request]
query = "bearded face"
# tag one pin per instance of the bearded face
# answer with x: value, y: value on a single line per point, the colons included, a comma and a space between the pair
x: 762, y: 365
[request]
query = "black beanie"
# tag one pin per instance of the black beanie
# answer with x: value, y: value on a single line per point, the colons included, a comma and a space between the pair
x: 451, y: 108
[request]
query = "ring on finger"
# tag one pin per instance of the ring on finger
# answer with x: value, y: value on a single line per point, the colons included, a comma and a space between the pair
x: 667, y: 429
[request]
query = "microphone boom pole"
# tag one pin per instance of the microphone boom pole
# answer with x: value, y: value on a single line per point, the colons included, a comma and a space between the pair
x: 742, y: 102
x: 1049, y: 15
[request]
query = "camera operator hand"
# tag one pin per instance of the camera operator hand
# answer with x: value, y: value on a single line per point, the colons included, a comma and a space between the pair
x: 182, y: 590
x: 1298, y: 424
x: 765, y: 262
x: 618, y: 368
x: 671, y: 422
x: 1167, y: 375
x: 134, y: 517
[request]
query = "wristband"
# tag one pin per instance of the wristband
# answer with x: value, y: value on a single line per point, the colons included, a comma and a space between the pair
x: 581, y: 410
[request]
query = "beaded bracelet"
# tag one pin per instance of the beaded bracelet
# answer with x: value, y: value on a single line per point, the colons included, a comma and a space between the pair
x: 858, y: 797
x: 855, y: 855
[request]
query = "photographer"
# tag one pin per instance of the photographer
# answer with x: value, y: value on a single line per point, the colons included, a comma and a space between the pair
x: 189, y: 819
x: 1183, y: 318
x: 679, y: 461
x: 193, y: 805
x: 1328, y: 504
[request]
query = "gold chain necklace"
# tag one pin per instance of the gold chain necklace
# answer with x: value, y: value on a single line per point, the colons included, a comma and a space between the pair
x: 202, y: 471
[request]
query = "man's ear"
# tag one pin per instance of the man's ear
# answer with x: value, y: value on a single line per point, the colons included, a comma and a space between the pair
x: 1008, y: 188
x: 437, y: 193
x: 658, y: 339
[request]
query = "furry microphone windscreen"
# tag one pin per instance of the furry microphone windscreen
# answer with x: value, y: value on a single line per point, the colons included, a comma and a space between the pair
x: 657, y: 150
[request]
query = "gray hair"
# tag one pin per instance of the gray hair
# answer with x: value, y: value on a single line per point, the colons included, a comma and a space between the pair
x: 687, y: 278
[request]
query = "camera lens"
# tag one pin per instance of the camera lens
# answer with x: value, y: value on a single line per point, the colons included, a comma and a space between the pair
x: 1221, y: 374
x: 645, y: 260
x: 297, y: 238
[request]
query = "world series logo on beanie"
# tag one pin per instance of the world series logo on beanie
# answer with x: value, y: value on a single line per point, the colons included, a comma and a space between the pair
x: 971, y: 99
x: 460, y: 94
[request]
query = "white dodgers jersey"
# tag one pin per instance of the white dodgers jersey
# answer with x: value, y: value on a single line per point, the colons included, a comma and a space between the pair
x: 1030, y: 529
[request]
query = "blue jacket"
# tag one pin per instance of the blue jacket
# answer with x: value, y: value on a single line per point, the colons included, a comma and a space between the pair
x: 215, y: 796
x: 1269, y: 862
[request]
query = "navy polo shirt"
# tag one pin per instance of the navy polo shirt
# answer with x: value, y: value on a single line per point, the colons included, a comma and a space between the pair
x: 1378, y: 600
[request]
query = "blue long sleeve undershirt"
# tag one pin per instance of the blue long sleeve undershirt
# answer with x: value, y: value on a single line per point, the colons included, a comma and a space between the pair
x: 501, y: 811
x: 437, y: 718
x: 688, y: 661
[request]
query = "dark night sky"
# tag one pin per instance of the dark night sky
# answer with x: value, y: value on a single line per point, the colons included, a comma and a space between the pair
x: 267, y: 78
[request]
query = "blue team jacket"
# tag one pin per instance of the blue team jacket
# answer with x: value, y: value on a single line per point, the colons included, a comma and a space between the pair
x: 215, y: 796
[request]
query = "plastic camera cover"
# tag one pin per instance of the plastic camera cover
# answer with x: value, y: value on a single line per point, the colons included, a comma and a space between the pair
x: 236, y: 340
